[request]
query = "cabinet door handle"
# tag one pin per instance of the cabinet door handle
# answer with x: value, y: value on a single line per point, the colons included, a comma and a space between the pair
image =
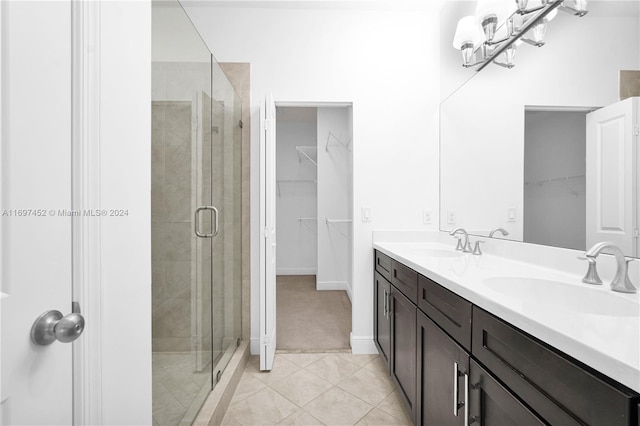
x: 386, y: 303
x: 466, y: 399
x: 455, y: 388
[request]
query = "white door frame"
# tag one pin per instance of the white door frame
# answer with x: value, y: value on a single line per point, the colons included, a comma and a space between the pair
x: 87, y: 285
x: 311, y: 104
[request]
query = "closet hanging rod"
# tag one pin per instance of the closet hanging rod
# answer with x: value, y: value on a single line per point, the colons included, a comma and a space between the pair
x: 330, y: 221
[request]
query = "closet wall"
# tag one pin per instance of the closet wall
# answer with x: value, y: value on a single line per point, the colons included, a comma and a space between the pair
x: 314, y: 194
x: 296, y: 197
x: 335, y: 192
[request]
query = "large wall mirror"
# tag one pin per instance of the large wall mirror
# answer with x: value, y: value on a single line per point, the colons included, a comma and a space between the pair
x: 514, y: 150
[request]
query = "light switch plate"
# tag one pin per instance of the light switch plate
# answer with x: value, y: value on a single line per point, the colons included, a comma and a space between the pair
x: 426, y: 217
x: 511, y: 214
x: 452, y: 217
x: 366, y: 214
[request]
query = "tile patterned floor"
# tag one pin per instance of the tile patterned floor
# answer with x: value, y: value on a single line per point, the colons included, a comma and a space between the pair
x: 317, y: 389
x: 175, y: 386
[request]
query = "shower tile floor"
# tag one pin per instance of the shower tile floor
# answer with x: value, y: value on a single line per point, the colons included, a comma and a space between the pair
x: 175, y: 386
x: 317, y: 389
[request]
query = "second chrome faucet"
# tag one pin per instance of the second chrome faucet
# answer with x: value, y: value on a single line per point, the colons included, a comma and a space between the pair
x: 621, y: 281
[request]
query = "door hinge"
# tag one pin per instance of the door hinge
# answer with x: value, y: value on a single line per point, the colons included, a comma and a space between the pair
x: 240, y: 124
x: 636, y: 130
x: 267, y: 124
x: 266, y: 232
x: 636, y: 232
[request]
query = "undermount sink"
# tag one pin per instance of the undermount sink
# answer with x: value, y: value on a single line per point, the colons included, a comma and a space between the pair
x: 564, y: 296
x: 434, y: 252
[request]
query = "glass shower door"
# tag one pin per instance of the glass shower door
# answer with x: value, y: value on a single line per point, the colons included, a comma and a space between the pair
x: 196, y: 217
x: 227, y: 190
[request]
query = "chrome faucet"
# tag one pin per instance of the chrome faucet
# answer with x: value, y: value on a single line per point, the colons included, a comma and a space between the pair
x: 466, y: 247
x: 503, y: 231
x: 621, y: 281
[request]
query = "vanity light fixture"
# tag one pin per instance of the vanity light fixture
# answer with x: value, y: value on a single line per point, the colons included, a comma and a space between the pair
x: 500, y: 26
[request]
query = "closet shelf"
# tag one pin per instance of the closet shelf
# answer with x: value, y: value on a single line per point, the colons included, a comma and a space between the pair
x: 337, y: 142
x: 308, y: 153
x: 558, y: 179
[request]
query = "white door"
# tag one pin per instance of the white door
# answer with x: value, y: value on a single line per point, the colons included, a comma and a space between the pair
x: 35, y: 190
x: 611, y: 175
x: 268, y: 234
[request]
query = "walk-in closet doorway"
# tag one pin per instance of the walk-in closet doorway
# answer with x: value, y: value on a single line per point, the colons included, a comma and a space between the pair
x: 314, y: 218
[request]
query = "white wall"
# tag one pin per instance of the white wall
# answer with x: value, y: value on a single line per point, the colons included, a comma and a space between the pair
x: 125, y: 158
x: 382, y: 59
x: 334, y: 200
x: 483, y: 122
x: 297, y: 240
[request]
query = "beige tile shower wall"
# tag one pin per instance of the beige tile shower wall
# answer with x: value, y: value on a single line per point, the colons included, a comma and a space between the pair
x: 239, y: 76
x: 171, y: 226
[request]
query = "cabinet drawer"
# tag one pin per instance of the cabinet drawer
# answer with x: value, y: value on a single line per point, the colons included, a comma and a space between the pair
x: 383, y: 265
x: 405, y: 279
x: 450, y: 311
x: 559, y: 390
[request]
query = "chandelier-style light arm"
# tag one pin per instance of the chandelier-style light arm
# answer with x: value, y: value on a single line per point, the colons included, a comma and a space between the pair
x: 519, y: 34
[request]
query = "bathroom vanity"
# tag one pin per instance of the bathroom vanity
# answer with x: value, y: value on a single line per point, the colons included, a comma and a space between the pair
x: 479, y: 340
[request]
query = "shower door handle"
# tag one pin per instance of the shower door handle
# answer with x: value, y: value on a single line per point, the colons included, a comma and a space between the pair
x: 197, y: 222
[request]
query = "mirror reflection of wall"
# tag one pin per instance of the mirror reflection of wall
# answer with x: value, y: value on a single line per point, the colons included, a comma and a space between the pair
x: 486, y: 173
x: 554, y: 178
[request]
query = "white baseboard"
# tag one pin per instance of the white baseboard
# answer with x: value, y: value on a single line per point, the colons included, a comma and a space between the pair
x: 332, y: 285
x: 335, y: 285
x: 296, y: 271
x: 254, y: 346
x: 361, y: 345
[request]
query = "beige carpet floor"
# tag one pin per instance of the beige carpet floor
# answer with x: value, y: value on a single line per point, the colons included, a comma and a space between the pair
x: 309, y: 320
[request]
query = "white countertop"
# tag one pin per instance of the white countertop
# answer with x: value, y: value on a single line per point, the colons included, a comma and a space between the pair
x: 608, y: 343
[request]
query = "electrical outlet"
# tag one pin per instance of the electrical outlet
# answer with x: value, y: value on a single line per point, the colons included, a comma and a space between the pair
x: 426, y: 217
x: 366, y: 214
x: 452, y: 217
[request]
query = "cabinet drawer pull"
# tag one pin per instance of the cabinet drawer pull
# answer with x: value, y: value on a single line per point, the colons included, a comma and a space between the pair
x: 456, y: 375
x: 466, y: 399
x: 386, y: 303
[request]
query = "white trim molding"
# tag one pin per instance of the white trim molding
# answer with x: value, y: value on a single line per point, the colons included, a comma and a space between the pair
x: 296, y: 271
x: 335, y: 285
x: 361, y: 345
x: 87, y: 285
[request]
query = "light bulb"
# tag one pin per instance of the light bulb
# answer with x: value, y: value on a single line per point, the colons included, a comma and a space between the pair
x: 538, y: 31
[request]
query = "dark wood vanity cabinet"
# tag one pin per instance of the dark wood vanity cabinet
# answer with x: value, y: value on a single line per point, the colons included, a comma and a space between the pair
x: 403, y: 347
x: 453, y: 361
x: 441, y: 368
x: 381, y: 317
x: 395, y: 323
x: 561, y: 390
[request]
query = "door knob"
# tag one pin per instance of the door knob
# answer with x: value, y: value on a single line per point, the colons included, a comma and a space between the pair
x: 52, y: 326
